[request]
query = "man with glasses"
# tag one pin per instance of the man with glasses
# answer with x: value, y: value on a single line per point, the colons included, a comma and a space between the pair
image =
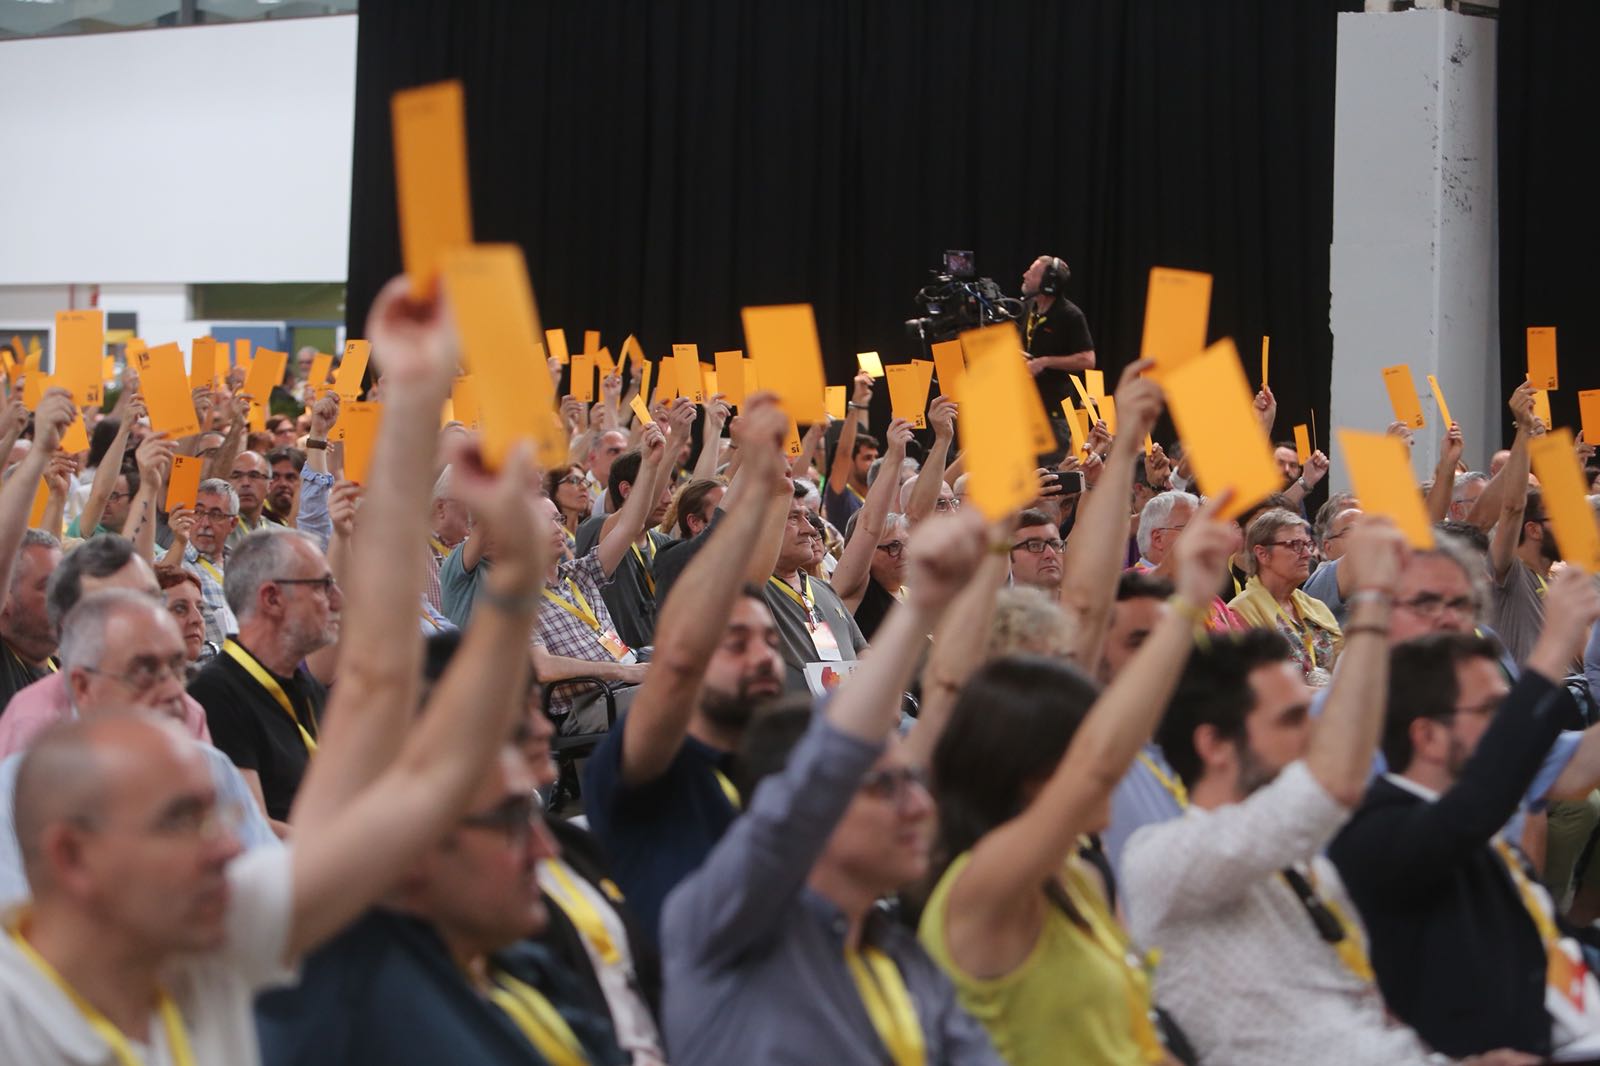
x: 814, y: 624
x: 204, y: 549
x: 120, y: 651
x: 1036, y: 549
x: 250, y: 477
x: 263, y: 700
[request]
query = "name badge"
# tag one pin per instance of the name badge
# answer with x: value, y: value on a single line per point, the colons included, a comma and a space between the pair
x: 826, y: 643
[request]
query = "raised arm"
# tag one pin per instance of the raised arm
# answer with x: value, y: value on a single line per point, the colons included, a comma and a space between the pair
x: 106, y: 474
x: 855, y: 567
x: 54, y: 415
x: 221, y: 464
x: 380, y: 645
x: 860, y: 398
x: 1444, y: 475
x: 1094, y: 552
x: 696, y: 612
x: 1514, y: 492
x: 717, y: 413
x: 12, y: 422
x: 1010, y: 863
x: 154, y: 459
x: 620, y: 530
x: 925, y: 493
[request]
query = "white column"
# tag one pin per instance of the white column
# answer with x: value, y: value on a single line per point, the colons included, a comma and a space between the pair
x: 1414, y: 267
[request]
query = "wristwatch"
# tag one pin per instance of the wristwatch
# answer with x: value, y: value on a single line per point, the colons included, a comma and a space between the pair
x: 313, y: 443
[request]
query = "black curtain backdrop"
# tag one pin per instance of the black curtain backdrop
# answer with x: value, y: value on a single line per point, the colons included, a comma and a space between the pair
x: 664, y: 163
x: 1549, y: 215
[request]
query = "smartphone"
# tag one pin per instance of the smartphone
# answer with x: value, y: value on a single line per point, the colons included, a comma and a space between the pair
x: 1071, y: 482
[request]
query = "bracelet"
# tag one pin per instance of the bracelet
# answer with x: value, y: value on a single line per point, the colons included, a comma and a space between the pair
x: 858, y: 406
x: 315, y: 444
x: 1183, y: 608
x: 509, y: 602
x: 1371, y: 628
x: 1360, y: 596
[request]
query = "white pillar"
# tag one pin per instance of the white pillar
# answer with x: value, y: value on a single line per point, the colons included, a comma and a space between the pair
x: 1414, y: 265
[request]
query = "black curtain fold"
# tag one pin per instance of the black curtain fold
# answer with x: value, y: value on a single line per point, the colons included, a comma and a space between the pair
x: 665, y: 162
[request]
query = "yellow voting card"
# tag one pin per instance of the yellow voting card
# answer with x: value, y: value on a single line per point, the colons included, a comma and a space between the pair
x: 952, y: 367
x: 582, y: 378
x: 430, y: 177
x: 666, y: 381
x: 783, y: 341
x: 360, y: 423
x: 498, y: 324
x: 41, y: 500
x: 1438, y: 398
x: 1108, y: 413
x: 1266, y: 344
x: 730, y: 376
x: 1542, y: 357
x: 34, y: 382
x: 80, y: 345
x: 317, y: 374
x: 266, y: 371
x: 166, y: 394
x: 1095, y: 382
x: 464, y: 400
x: 1380, y: 474
x: 203, y: 363
x: 838, y: 401
x: 686, y: 359
x: 904, y: 397
x: 1212, y: 406
x: 708, y: 381
x: 1302, y: 444
x: 347, y: 380
x: 1541, y: 407
x: 641, y: 411
x: 791, y: 440
x: 999, y: 452
x: 75, y: 438
x: 556, y: 341
x: 1176, y: 312
x: 1002, y: 344
x: 630, y: 350
x: 591, y: 341
x: 183, y: 487
x: 604, y: 363
x: 1589, y: 414
x: 870, y: 362
x: 1084, y: 397
x: 1402, y: 389
x: 1076, y: 426
x: 242, y: 350
x: 1562, y: 484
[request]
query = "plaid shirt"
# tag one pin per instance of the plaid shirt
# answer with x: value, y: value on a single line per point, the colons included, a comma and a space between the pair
x: 220, y: 622
x: 561, y: 632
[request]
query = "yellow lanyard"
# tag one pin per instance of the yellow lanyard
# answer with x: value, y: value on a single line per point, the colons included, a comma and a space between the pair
x: 205, y: 564
x: 1549, y: 935
x: 578, y: 609
x: 888, y: 1002
x: 1544, y: 586
x: 644, y: 567
x: 728, y: 789
x: 544, y: 1027
x: 1302, y: 631
x: 851, y: 489
x: 1136, y: 982
x: 171, y: 1019
x: 1167, y: 781
x: 803, y: 598
x: 1034, y: 318
x: 440, y: 548
x: 235, y: 651
x: 1349, y: 948
x: 583, y: 914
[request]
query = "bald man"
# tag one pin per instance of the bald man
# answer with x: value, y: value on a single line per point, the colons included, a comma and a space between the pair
x: 250, y: 478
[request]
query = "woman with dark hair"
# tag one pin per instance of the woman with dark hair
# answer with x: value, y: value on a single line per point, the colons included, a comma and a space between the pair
x: 1023, y: 923
x: 568, y: 487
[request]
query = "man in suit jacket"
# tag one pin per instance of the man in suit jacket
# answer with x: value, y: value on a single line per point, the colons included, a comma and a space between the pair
x: 1458, y: 953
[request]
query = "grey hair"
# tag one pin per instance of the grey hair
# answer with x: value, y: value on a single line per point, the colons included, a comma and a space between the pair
x: 805, y: 489
x: 1265, y: 528
x: 890, y: 521
x: 1027, y: 621
x: 1157, y: 510
x: 216, y: 486
x: 99, y: 556
x: 32, y: 538
x: 257, y: 559
x: 1459, y: 551
x: 83, y: 631
x: 1458, y: 491
x: 441, y: 486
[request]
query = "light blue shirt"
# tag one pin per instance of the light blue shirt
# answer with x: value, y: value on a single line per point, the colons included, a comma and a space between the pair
x: 1140, y: 799
x: 252, y: 831
x: 1324, y: 585
x: 314, y: 517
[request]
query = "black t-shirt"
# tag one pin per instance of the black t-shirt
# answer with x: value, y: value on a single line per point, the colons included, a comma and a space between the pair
x: 630, y: 597
x: 674, y: 558
x: 251, y: 727
x: 16, y: 675
x: 875, y: 603
x: 1062, y: 330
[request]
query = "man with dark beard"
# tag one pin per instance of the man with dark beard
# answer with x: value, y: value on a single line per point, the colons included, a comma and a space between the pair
x: 657, y: 790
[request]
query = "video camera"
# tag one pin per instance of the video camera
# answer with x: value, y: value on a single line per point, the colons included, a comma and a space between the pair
x: 958, y: 300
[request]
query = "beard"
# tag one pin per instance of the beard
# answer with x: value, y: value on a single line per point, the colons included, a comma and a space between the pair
x: 732, y: 711
x: 1549, y: 551
x: 1254, y: 774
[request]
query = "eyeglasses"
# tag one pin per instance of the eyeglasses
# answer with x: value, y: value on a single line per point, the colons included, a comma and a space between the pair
x: 115, y: 496
x: 812, y: 535
x: 190, y: 818
x: 247, y: 475
x: 147, y: 671
x: 1299, y: 547
x: 327, y: 581
x: 514, y: 816
x: 573, y: 479
x: 1037, y: 545
x: 894, y: 782
x: 893, y: 549
x: 947, y: 503
x: 214, y: 516
x: 1431, y: 605
x: 182, y: 609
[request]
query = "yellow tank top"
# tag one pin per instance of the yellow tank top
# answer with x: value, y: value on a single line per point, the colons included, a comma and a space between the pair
x: 1075, y: 996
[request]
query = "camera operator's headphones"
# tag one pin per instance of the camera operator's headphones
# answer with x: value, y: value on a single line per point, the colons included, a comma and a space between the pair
x: 1055, y: 278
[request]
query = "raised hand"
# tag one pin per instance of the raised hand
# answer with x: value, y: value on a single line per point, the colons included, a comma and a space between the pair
x: 898, y: 436
x: 1139, y: 400
x: 1315, y: 468
x: 861, y: 388
x: 572, y: 414
x: 181, y: 522
x: 1451, y: 447
x: 1202, y: 551
x: 1571, y: 606
x: 324, y: 414
x: 1266, y: 406
x: 1521, y: 404
x: 506, y: 504
x: 1157, y: 468
x: 942, y: 417
x: 1403, y: 431
x: 154, y: 457
x: 412, y: 340
x: 343, y: 502
x: 945, y: 552
x: 718, y: 411
x: 1376, y: 555
x: 611, y: 388
x: 58, y: 474
x: 50, y: 421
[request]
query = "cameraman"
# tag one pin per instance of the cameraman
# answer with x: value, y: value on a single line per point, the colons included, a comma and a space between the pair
x: 1055, y: 337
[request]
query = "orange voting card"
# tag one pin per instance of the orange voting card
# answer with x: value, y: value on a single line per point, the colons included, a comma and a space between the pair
x: 1108, y: 413
x: 347, y: 379
x: 783, y: 341
x: 266, y: 371
x: 605, y: 364
x: 1003, y: 344
x: 1078, y: 427
x: 1438, y: 398
x: 1176, y: 312
x: 1564, y: 489
x: 666, y: 381
x: 556, y: 341
x: 498, y: 324
x: 999, y: 451
x: 1402, y: 388
x: 80, y: 345
x: 41, y: 500
x: 904, y: 398
x: 108, y: 369
x: 166, y: 393
x: 1266, y: 343
x: 1084, y: 397
x: 34, y: 382
x: 837, y: 400
x: 1589, y: 414
x: 870, y: 362
x: 641, y: 411
x: 203, y: 363
x: 1380, y: 474
x: 708, y: 381
x: 630, y: 350
x: 686, y: 357
x: 242, y: 349
x: 464, y: 400
x: 360, y: 421
x: 591, y: 341
x: 730, y: 376
x: 952, y: 367
x: 925, y: 368
x: 791, y: 440
x: 1541, y: 407
x: 1542, y: 357
x: 430, y: 177
x: 1095, y: 382
x: 183, y: 487
x: 317, y: 374
x: 1302, y: 444
x: 1212, y: 406
x: 76, y: 438
x: 582, y: 378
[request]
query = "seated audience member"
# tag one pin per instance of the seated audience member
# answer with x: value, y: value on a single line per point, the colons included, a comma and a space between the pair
x: 250, y: 477
x: 103, y: 562
x: 200, y: 543
x: 1461, y: 939
x: 1027, y: 622
x: 853, y: 457
x: 870, y: 574
x: 263, y: 702
x: 1161, y: 520
x: 120, y: 653
x: 1521, y: 548
x: 568, y: 487
x: 815, y: 625
x: 773, y: 950
x: 1036, y: 549
x: 448, y: 526
x: 131, y: 858
x: 698, y: 506
x: 1323, y: 585
x: 1022, y: 918
x: 1262, y: 959
x: 607, y: 446
x: 657, y: 790
x: 285, y: 462
x: 1465, y: 492
x: 180, y: 590
x: 1278, y: 549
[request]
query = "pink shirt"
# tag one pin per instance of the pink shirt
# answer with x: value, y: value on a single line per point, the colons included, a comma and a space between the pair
x: 44, y: 703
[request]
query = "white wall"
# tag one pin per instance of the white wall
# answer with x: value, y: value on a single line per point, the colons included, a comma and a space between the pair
x: 202, y: 154
x: 1413, y: 267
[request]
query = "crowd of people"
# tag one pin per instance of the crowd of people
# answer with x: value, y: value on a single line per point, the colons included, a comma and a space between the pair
x: 689, y: 750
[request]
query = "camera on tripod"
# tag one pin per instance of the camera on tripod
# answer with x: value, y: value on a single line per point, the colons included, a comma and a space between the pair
x: 957, y: 299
